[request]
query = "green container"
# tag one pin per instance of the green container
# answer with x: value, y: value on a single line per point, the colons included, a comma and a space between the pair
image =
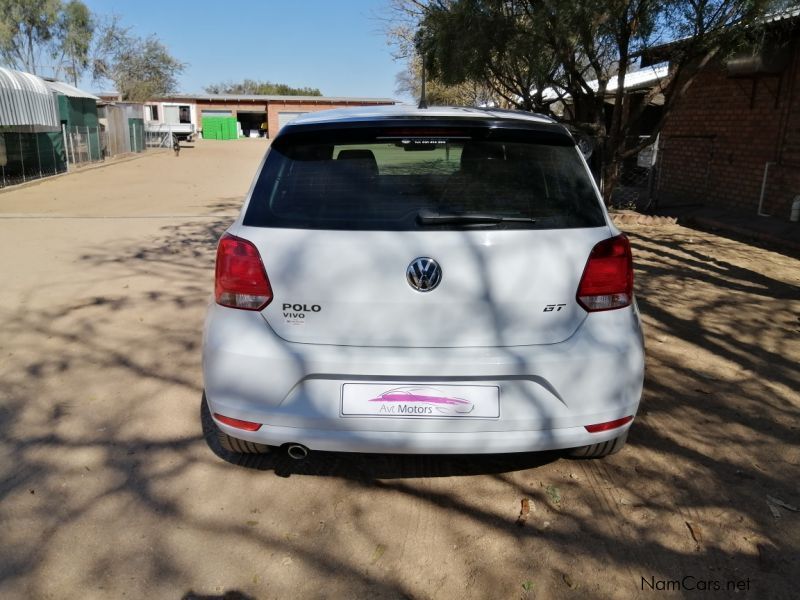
x: 136, y: 131
x: 219, y: 128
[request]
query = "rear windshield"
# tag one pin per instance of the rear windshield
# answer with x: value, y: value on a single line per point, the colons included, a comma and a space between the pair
x: 391, y: 182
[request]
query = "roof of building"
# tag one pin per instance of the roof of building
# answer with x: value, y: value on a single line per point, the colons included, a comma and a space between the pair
x: 782, y: 15
x: 262, y: 98
x: 643, y: 78
x: 275, y: 98
x: 26, y: 103
x: 68, y: 90
x: 661, y: 52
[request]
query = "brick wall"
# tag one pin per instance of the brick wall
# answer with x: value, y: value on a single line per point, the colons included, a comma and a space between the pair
x: 234, y: 107
x: 722, y: 132
x: 270, y: 108
x: 276, y: 107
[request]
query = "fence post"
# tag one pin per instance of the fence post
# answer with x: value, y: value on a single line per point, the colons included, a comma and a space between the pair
x: 66, y: 147
x: 38, y: 155
x: 134, y: 149
x: 21, y: 156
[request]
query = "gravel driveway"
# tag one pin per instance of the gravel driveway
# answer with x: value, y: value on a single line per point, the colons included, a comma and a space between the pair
x: 110, y: 489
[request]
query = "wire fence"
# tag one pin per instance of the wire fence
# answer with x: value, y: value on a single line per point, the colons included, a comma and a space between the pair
x: 636, y: 187
x: 84, y: 144
x: 28, y: 156
x: 158, y: 139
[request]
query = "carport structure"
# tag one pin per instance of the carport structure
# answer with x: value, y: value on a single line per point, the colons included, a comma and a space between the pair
x: 31, y: 142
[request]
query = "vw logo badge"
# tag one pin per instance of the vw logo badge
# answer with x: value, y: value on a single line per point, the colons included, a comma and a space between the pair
x: 424, y: 274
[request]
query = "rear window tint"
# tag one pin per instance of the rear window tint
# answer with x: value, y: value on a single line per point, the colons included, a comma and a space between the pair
x: 384, y: 182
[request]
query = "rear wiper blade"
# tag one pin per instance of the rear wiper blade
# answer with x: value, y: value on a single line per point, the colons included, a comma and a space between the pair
x: 428, y: 217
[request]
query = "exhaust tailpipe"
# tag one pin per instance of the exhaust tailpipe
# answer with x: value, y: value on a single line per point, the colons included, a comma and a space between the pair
x: 297, y: 451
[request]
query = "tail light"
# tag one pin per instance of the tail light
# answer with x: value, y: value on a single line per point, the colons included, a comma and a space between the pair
x: 607, y: 281
x: 608, y: 425
x: 238, y: 423
x: 240, y: 278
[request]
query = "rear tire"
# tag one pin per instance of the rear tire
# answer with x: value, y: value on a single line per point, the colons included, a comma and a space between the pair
x: 228, y: 443
x: 601, y: 449
x: 232, y: 444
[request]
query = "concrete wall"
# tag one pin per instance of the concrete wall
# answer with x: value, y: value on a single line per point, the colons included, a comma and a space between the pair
x: 722, y: 133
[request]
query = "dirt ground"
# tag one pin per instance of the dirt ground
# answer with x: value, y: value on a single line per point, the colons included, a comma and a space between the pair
x: 110, y: 489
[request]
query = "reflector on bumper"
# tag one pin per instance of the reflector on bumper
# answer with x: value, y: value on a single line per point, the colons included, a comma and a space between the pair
x: 608, y: 424
x: 238, y: 423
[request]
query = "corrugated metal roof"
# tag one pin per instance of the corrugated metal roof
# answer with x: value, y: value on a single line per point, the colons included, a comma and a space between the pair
x: 783, y: 15
x: 26, y: 103
x: 69, y: 90
x: 643, y: 78
x: 261, y: 98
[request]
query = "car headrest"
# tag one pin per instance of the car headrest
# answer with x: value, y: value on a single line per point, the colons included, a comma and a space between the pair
x: 476, y: 155
x: 365, y: 160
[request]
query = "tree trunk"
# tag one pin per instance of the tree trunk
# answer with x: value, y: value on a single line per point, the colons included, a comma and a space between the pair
x: 611, y: 173
x: 31, y: 66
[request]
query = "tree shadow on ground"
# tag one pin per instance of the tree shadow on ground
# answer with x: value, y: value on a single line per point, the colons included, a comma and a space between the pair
x: 97, y: 390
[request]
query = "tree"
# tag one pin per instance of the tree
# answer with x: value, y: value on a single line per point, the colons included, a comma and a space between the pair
x: 400, y: 27
x: 254, y: 87
x: 26, y: 32
x: 74, y: 33
x: 55, y: 38
x: 46, y: 37
x: 467, y: 93
x: 141, y: 68
x: 539, y: 54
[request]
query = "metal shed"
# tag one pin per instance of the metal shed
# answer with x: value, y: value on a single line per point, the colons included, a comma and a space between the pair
x: 78, y: 114
x: 31, y: 141
x: 26, y: 104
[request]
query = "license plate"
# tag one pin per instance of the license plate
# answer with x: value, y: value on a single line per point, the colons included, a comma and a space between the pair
x: 421, y: 401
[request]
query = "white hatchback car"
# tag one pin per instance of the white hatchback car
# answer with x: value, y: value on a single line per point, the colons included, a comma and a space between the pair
x: 440, y: 281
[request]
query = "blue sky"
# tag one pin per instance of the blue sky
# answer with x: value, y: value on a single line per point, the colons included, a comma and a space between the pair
x: 337, y: 46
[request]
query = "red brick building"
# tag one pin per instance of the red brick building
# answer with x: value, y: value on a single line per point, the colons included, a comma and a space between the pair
x: 736, y: 132
x: 250, y: 110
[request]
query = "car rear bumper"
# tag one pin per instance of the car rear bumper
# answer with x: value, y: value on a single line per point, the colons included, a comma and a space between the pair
x: 404, y: 442
x: 548, y: 393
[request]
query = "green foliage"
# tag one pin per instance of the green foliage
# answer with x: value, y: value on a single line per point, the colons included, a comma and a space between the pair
x: 27, y: 28
x: 55, y: 38
x: 74, y: 32
x: 266, y: 88
x: 438, y: 93
x: 46, y: 37
x: 542, y: 55
x: 143, y: 68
